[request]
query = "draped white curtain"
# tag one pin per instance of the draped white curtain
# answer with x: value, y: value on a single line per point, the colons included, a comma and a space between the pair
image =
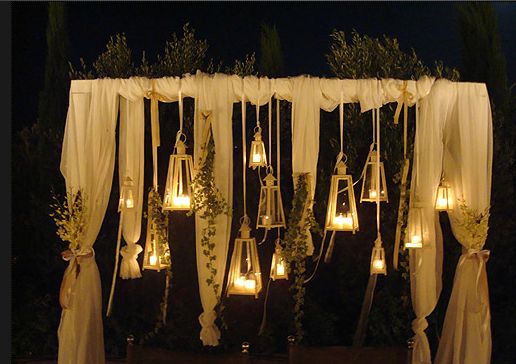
x: 87, y: 163
x: 466, y: 335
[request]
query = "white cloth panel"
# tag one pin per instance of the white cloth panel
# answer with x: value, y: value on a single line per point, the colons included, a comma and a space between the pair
x: 87, y: 162
x: 466, y: 335
x: 426, y: 263
x: 131, y: 164
x: 214, y: 93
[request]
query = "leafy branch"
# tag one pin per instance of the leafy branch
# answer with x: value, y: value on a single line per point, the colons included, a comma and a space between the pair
x: 69, y: 217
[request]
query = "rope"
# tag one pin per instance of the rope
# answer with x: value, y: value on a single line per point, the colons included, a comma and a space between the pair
x: 341, y: 121
x: 115, y: 271
x: 278, y: 143
x: 243, y: 153
x: 180, y: 99
x: 378, y: 191
x: 270, y: 131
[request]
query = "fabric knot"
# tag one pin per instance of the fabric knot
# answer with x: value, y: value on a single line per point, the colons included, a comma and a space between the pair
x: 207, y: 318
x: 479, y: 254
x: 210, y: 333
x: 419, y: 325
x: 129, y: 268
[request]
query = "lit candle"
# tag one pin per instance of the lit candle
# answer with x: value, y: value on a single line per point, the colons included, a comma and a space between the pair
x: 257, y: 158
x: 153, y: 259
x: 416, y: 240
x: 280, y: 269
x: 129, y: 203
x: 372, y: 193
x: 378, y: 264
x: 442, y: 203
x: 250, y: 284
x: 181, y: 201
x: 343, y: 222
x: 266, y: 220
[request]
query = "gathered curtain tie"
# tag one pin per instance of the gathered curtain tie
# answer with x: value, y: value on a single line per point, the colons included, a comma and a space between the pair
x: 421, y: 349
x: 210, y: 333
x: 403, y: 101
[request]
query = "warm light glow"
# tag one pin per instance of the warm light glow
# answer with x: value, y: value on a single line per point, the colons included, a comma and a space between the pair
x: 239, y: 282
x: 266, y: 220
x: 442, y: 203
x: 181, y: 201
x: 343, y: 222
x: 415, y: 242
x: 280, y: 269
x: 378, y: 264
x: 153, y: 259
x: 416, y: 239
x: 129, y: 203
x: 250, y: 284
x: 372, y: 193
x: 257, y: 158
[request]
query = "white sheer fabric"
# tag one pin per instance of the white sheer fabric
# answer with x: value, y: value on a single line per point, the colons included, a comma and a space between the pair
x: 87, y: 163
x: 466, y: 335
x: 214, y: 93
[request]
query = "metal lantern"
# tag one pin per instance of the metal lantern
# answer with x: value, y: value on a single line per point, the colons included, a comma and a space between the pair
x: 369, y: 193
x: 341, y: 214
x: 178, y: 190
x: 245, y: 277
x: 127, y: 193
x: 279, y: 264
x: 257, y: 156
x: 415, y: 236
x: 444, y: 198
x: 156, y: 256
x: 378, y: 265
x: 270, y: 208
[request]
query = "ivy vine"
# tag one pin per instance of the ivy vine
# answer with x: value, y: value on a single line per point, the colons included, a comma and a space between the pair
x: 294, y: 246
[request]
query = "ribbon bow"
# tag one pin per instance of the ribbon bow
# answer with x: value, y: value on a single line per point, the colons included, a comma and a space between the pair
x: 403, y: 101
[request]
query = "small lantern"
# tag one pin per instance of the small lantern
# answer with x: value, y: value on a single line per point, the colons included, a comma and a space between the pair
x: 341, y: 214
x: 270, y: 208
x: 444, y: 198
x: 279, y: 264
x: 414, y: 239
x: 257, y: 156
x: 178, y: 190
x: 156, y: 253
x: 369, y: 185
x: 378, y: 265
x: 245, y: 277
x: 127, y: 194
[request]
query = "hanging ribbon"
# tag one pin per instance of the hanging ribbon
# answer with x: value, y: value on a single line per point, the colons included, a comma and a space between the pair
x: 244, y: 150
x: 278, y: 143
x: 115, y: 270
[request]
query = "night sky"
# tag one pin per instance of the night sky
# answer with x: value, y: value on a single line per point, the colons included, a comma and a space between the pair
x: 232, y: 29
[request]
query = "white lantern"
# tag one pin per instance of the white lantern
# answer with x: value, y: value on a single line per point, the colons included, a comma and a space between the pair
x: 415, y: 237
x: 369, y: 185
x: 341, y: 214
x: 270, y: 209
x: 244, y: 272
x: 157, y: 252
x: 178, y: 191
x: 257, y: 156
x: 127, y: 193
x: 444, y: 198
x: 378, y: 265
x: 279, y: 264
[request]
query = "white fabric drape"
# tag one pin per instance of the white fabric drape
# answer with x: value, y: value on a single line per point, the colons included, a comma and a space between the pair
x: 131, y: 164
x: 466, y: 336
x: 87, y: 163
x: 426, y: 263
x: 214, y: 93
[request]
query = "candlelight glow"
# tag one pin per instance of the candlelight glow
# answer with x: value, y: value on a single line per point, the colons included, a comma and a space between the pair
x: 250, y: 284
x: 153, y: 259
x: 257, y: 158
x: 442, y: 203
x: 129, y: 203
x: 280, y: 269
x: 372, y: 194
x: 266, y: 220
x: 415, y: 242
x: 378, y: 264
x: 181, y: 201
x: 342, y: 221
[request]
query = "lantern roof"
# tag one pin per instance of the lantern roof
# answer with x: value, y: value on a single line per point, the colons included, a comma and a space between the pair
x: 269, y: 179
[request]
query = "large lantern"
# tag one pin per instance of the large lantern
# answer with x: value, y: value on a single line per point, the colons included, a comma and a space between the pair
x: 244, y: 277
x: 444, y: 198
x: 341, y: 214
x: 257, y: 156
x: 127, y: 194
x: 178, y: 191
x: 157, y: 252
x: 415, y: 236
x: 370, y: 176
x: 270, y: 208
x: 378, y: 265
x: 279, y: 264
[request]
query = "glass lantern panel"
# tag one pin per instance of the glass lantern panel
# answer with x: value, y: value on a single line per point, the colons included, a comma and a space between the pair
x: 270, y: 209
x: 415, y: 237
x: 443, y: 201
x: 178, y: 187
x: 342, y: 213
x: 245, y: 275
x: 378, y: 265
x: 369, y: 185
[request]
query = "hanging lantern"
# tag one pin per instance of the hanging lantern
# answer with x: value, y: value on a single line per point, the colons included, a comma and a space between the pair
x: 156, y: 253
x: 245, y: 277
x: 369, y: 193
x: 178, y: 191
x: 444, y: 198
x: 414, y: 239
x: 279, y: 264
x: 257, y: 156
x: 341, y: 214
x: 127, y: 193
x: 378, y: 265
x: 270, y: 208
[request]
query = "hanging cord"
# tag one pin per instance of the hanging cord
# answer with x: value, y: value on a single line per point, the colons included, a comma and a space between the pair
x: 243, y: 153
x: 264, y: 316
x: 278, y: 143
x: 115, y: 269
x: 378, y: 191
x: 269, y: 167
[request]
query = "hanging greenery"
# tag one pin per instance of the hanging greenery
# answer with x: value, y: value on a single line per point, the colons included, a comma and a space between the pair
x: 300, y: 220
x: 208, y: 203
x: 69, y: 217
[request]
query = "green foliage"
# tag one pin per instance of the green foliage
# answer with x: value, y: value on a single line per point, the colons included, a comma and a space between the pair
x: 366, y: 57
x: 116, y: 61
x: 271, y: 58
x: 243, y: 68
x: 69, y: 217
x: 159, y: 219
x: 294, y: 246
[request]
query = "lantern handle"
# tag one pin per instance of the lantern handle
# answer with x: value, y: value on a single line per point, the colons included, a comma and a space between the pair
x: 180, y: 134
x: 245, y: 219
x: 257, y: 129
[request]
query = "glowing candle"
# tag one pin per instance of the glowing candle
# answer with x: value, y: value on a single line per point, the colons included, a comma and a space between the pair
x: 378, y: 264
x: 343, y: 222
x: 280, y: 269
x: 442, y: 203
x: 257, y: 158
x: 182, y: 201
x: 129, y: 203
x: 250, y: 284
x: 372, y: 193
x: 266, y: 220
x: 153, y: 259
